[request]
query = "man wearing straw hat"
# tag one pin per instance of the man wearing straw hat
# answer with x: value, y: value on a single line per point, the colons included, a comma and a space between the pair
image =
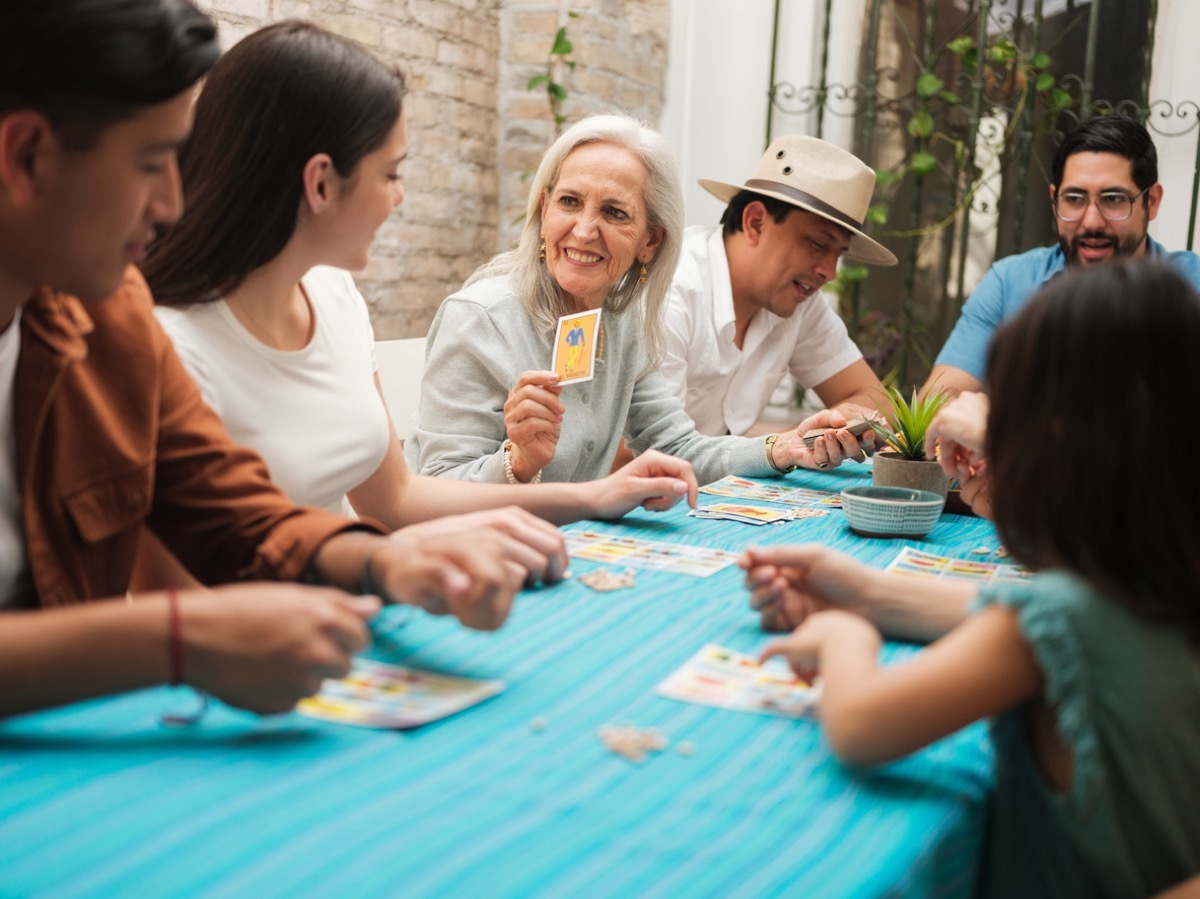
x: 743, y: 308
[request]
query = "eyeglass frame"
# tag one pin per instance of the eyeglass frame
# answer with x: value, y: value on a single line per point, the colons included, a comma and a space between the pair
x: 1094, y: 201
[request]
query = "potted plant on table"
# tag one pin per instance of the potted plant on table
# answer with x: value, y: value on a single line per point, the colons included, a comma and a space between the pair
x: 903, y: 463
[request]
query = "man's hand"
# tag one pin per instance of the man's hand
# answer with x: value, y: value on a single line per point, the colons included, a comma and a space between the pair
x: 533, y: 417
x: 789, y: 583
x: 957, y: 434
x: 653, y: 480
x: 264, y: 646
x: 828, y: 450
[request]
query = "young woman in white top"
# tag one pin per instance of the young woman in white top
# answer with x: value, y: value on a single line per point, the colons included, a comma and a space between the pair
x: 286, y: 187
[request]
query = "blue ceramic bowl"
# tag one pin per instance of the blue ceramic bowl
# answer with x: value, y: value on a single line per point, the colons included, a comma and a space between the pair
x: 890, y: 511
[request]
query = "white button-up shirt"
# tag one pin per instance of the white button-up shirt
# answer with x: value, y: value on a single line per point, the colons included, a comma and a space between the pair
x: 725, y: 389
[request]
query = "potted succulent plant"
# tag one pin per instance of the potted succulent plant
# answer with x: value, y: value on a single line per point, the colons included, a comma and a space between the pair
x: 903, y: 463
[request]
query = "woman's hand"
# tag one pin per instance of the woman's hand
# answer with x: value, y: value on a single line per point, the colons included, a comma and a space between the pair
x: 824, y: 632
x: 533, y: 417
x: 789, y: 583
x: 653, y: 480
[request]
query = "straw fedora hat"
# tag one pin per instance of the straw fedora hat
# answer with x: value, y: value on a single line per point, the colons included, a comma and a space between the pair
x: 818, y: 177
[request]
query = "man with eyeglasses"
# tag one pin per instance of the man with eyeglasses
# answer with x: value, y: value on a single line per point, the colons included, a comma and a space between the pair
x: 1104, y: 194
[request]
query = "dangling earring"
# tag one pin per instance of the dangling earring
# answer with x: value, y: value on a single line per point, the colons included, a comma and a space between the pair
x: 642, y: 276
x: 542, y: 252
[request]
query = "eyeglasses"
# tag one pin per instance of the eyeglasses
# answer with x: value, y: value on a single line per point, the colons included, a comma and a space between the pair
x: 1114, y: 205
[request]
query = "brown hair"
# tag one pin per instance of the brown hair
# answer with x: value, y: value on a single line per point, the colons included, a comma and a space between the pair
x: 1092, y: 383
x: 275, y: 100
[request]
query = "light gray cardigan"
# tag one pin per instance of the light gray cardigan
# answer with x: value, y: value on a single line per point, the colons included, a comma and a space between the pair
x: 482, y: 340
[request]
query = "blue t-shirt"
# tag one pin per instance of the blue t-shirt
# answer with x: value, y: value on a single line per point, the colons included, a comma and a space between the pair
x: 1007, y: 287
x: 1126, y: 698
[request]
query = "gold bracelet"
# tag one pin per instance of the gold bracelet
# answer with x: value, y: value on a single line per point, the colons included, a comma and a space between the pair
x: 771, y: 438
x: 508, y: 472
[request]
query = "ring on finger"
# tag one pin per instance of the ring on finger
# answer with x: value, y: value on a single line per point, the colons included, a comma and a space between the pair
x: 823, y: 465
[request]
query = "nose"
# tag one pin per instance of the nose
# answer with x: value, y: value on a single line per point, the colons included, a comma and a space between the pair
x: 585, y: 225
x: 1092, y: 219
x: 826, y: 265
x: 166, y: 203
x: 397, y: 194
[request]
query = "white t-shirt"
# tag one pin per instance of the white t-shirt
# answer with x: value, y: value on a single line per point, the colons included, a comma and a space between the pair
x: 725, y: 389
x: 14, y: 567
x: 313, y: 414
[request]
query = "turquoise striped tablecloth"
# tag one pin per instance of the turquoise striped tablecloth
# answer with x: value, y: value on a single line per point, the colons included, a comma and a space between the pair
x: 100, y: 799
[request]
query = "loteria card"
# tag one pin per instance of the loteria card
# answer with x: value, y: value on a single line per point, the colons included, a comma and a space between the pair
x: 374, y: 694
x: 923, y: 564
x: 635, y: 552
x: 733, y: 680
x: 741, y: 488
x: 575, y: 342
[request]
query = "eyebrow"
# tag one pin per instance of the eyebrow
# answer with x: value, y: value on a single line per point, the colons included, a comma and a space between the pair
x: 834, y: 237
x: 170, y: 145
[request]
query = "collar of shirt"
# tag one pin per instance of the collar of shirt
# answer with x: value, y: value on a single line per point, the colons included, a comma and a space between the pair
x: 722, y: 287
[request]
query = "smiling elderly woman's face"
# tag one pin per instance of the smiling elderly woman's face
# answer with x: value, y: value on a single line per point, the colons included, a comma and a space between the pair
x: 594, y: 221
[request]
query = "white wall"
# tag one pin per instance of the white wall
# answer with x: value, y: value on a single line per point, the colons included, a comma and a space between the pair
x: 1176, y: 77
x: 720, y: 64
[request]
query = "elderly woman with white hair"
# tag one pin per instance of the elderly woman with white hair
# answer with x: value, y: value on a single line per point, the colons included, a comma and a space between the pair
x: 602, y: 231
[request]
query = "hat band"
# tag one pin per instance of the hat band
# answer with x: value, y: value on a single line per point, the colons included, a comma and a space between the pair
x: 807, y: 199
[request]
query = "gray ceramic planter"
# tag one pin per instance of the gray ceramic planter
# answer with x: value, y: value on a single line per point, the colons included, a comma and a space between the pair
x: 891, y: 470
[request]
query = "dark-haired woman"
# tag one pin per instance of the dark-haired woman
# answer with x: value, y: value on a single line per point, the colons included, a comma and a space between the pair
x: 292, y: 166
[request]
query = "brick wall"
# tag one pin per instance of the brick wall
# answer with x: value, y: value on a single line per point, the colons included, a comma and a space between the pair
x: 473, y: 128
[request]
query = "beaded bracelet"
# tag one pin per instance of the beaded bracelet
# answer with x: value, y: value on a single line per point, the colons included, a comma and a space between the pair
x: 508, y: 472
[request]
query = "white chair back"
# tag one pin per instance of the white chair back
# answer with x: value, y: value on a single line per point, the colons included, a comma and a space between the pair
x: 401, y: 365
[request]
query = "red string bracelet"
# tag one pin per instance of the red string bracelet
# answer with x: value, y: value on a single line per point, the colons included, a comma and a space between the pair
x: 175, y: 637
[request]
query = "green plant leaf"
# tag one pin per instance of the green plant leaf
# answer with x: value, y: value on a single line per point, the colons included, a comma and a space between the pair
x: 885, y: 178
x: 928, y: 85
x: 950, y: 97
x: 1060, y: 98
x: 908, y: 421
x: 1041, y: 60
x: 1045, y: 81
x: 1004, y: 51
x: 562, y: 46
x: 921, y: 124
x: 878, y: 214
x: 923, y: 163
x: 536, y: 80
x: 961, y: 45
x: 557, y: 91
x: 852, y: 272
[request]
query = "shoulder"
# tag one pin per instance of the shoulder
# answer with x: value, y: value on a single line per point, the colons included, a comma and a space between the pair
x: 332, y: 285
x: 1032, y: 266
x: 1185, y: 262
x: 493, y: 298
x: 692, y: 272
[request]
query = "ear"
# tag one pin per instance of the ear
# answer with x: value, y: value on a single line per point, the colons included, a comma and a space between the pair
x: 753, y: 220
x: 25, y: 139
x: 1153, y: 198
x: 653, y: 242
x: 320, y: 183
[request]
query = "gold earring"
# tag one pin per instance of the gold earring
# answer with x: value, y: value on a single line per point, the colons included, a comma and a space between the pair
x: 542, y: 252
x: 642, y: 276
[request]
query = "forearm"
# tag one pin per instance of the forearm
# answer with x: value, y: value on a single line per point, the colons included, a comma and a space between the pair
x: 58, y: 656
x: 559, y: 503
x: 913, y: 608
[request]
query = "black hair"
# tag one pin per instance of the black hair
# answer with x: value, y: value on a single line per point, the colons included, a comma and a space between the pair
x: 1088, y: 381
x: 1110, y: 134
x: 278, y: 97
x: 87, y: 64
x: 731, y: 218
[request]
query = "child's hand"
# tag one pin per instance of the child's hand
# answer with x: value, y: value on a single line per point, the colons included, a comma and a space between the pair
x: 789, y: 583
x: 822, y: 633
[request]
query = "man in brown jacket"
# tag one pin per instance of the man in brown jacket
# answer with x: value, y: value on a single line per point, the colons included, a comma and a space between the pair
x: 102, y: 431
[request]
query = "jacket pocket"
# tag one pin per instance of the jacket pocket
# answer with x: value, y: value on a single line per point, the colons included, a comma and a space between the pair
x: 117, y: 503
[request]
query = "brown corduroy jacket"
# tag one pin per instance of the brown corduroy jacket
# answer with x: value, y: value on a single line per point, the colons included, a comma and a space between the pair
x: 111, y: 433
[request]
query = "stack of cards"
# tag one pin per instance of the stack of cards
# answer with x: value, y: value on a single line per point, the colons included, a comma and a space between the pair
x: 390, y: 696
x: 856, y: 426
x: 744, y: 514
x: 732, y: 680
x: 741, y: 488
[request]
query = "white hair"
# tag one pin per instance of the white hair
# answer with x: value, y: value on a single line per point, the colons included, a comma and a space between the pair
x: 544, y: 300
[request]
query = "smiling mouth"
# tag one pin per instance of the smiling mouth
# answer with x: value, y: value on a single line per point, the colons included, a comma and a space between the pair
x: 581, y: 256
x: 803, y: 290
x: 1094, y: 246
